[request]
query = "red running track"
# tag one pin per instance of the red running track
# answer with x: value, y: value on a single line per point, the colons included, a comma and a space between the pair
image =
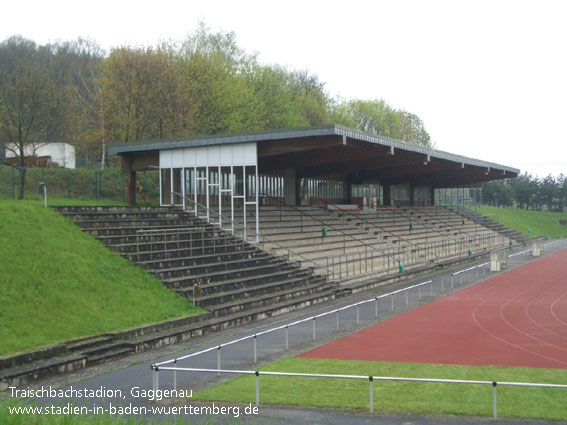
x: 518, y: 318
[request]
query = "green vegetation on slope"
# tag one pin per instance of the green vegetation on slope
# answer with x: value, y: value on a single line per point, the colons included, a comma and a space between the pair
x: 60, y: 284
x: 534, y: 223
x: 472, y: 400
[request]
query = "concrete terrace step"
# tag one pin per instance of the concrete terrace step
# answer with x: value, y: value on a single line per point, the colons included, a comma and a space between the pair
x: 173, y: 251
x: 147, y: 256
x: 185, y: 284
x: 219, y: 271
x: 205, y: 260
x: 242, y: 294
x: 313, y: 245
x: 107, y: 352
x: 289, y: 295
x: 135, y: 223
x: 156, y: 232
x: 221, y: 322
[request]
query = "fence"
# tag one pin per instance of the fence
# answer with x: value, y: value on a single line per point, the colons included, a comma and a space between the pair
x: 418, y: 291
x: 370, y: 379
x: 108, y: 184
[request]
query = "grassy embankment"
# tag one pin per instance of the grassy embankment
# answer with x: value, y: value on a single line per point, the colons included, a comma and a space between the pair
x: 533, y: 223
x: 60, y: 284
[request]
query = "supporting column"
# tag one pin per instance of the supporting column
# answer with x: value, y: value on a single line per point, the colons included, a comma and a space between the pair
x: 348, y: 182
x: 387, y: 194
x: 290, y: 187
x: 131, y: 187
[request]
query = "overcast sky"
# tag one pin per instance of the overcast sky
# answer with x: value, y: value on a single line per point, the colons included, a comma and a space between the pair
x: 488, y: 78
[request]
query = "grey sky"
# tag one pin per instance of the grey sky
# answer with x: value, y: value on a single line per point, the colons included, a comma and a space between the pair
x: 488, y: 78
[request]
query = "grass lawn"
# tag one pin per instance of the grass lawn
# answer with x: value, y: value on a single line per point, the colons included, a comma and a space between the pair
x: 60, y: 284
x: 403, y: 397
x: 534, y: 223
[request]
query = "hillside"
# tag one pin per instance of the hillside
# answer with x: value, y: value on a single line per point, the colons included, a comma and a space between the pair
x: 60, y: 284
x: 532, y: 223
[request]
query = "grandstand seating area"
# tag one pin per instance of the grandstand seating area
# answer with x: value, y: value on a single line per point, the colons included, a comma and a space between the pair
x: 359, y: 245
x: 303, y: 252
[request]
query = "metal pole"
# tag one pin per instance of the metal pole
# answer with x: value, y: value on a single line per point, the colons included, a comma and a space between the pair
x: 357, y: 314
x: 175, y: 376
x: 494, y: 403
x: 392, y: 302
x: 371, y: 393
x: 255, y: 351
x: 286, y: 339
x: 218, y: 359
x: 376, y: 307
x: 257, y: 388
x: 313, y: 329
x: 337, y: 320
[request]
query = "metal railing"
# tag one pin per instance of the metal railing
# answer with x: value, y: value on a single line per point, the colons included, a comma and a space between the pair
x: 171, y: 365
x: 370, y: 379
x: 406, y: 291
x: 312, y: 319
x: 418, y: 245
x: 327, y: 225
x: 197, y: 240
x: 239, y: 230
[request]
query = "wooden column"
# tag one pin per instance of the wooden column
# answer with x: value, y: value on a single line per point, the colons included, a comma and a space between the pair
x: 131, y: 187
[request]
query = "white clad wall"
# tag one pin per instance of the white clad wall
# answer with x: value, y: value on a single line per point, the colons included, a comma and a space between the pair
x: 209, y: 156
x: 189, y: 174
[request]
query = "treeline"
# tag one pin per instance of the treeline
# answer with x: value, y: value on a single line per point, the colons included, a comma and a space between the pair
x: 527, y: 192
x: 206, y: 84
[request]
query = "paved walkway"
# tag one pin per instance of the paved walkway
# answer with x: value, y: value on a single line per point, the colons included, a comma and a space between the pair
x: 125, y: 374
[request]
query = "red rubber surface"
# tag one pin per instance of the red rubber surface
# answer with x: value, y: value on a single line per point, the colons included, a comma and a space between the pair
x: 518, y: 318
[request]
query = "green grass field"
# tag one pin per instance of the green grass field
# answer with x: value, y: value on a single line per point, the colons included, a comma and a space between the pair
x: 534, y: 223
x: 401, y: 397
x: 60, y: 284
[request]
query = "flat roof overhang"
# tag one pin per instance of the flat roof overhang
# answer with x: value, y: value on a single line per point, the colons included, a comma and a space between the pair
x: 335, y: 150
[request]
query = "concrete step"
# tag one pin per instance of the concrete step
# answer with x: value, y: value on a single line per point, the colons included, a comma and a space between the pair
x: 181, y: 253
x: 108, y: 352
x: 208, y: 273
x: 204, y: 260
x: 156, y: 233
x: 285, y: 298
x: 89, y: 343
x: 134, y: 223
x: 243, y: 294
x: 242, y: 277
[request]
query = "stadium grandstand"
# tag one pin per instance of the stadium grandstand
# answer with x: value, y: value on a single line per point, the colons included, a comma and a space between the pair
x: 344, y: 207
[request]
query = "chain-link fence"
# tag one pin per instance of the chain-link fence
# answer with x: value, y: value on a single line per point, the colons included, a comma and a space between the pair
x: 108, y: 184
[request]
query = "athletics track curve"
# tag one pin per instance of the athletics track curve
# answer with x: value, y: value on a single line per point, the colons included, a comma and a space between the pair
x: 518, y: 319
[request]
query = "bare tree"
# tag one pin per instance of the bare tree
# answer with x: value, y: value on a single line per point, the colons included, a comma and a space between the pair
x: 24, y: 92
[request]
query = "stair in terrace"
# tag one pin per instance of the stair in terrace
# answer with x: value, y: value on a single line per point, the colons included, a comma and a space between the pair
x: 182, y: 250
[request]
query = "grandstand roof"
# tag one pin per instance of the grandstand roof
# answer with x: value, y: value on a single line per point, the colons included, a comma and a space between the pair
x: 335, y: 150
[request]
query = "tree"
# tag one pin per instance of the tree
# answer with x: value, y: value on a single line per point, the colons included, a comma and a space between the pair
x: 376, y: 116
x: 26, y: 91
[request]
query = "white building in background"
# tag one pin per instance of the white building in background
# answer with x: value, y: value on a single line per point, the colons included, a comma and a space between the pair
x: 54, y: 154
